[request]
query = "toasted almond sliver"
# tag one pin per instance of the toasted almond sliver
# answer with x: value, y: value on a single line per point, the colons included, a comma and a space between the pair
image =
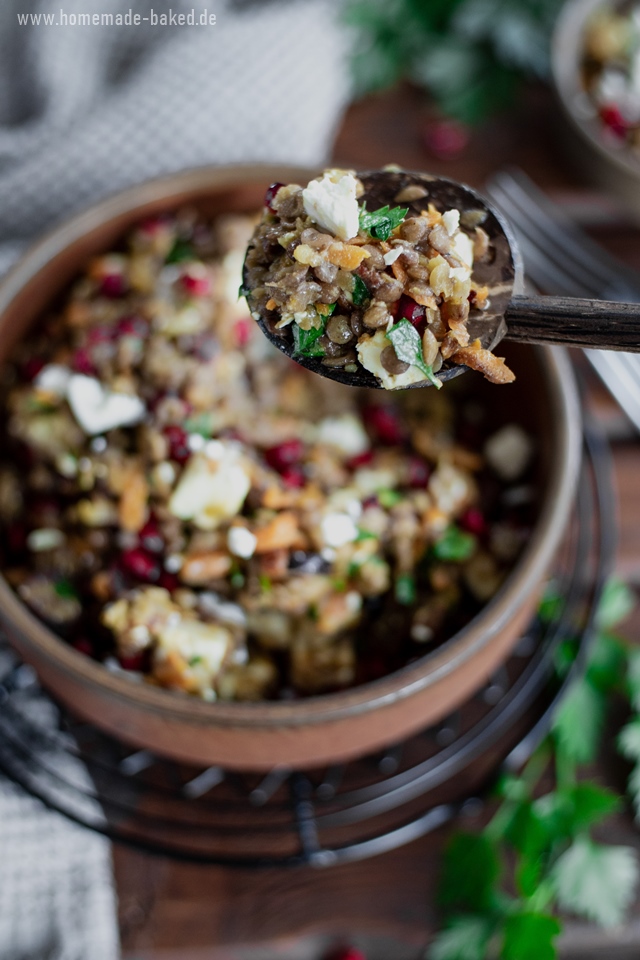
x: 132, y: 508
x: 346, y: 255
x: 280, y: 534
x: 201, y: 568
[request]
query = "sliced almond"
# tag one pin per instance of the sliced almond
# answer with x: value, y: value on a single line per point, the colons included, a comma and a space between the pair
x: 132, y: 509
x: 346, y: 255
x: 281, y: 533
x: 201, y: 568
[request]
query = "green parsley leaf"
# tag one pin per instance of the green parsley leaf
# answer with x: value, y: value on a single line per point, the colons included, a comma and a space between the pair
x: 407, y: 344
x: 607, y: 663
x: 389, y: 498
x: 365, y: 535
x: 577, y: 724
x: 466, y: 938
x: 595, y: 881
x: 265, y: 583
x: 592, y: 804
x: 529, y: 936
x: 360, y: 291
x: 328, y: 309
x: 65, y: 589
x: 202, y: 424
x: 470, y: 871
x: 633, y: 677
x: 405, y: 590
x: 629, y: 740
x: 616, y: 604
x: 180, y: 252
x: 194, y: 661
x: 455, y: 545
x: 381, y: 223
x: 243, y: 291
x: 551, y: 604
x: 305, y: 342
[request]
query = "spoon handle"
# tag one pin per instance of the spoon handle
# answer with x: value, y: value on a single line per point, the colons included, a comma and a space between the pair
x: 574, y: 323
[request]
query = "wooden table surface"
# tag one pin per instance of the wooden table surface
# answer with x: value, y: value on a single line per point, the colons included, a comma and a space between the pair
x: 173, y: 911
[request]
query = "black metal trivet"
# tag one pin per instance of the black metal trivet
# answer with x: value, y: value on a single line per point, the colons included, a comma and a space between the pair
x: 329, y: 815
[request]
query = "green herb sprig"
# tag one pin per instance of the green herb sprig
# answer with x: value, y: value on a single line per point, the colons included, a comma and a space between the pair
x: 407, y: 344
x: 305, y: 342
x: 502, y: 889
x: 381, y: 223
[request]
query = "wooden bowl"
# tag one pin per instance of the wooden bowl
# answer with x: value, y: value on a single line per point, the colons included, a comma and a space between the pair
x: 322, y: 729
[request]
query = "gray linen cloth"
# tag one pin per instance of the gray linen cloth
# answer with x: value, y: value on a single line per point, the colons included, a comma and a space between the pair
x: 84, y: 111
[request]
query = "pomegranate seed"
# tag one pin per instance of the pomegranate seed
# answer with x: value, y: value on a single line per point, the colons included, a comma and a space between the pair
x: 178, y: 443
x: 82, y: 362
x: 16, y: 537
x: 293, y: 477
x: 419, y: 473
x: 153, y: 225
x: 82, y: 645
x: 140, y: 564
x: 113, y: 285
x: 613, y: 119
x: 446, y: 138
x: 196, y: 286
x: 99, y: 335
x: 270, y: 195
x: 371, y: 501
x: 168, y: 581
x: 242, y: 330
x: 409, y: 310
x: 361, y: 460
x: 32, y: 368
x: 386, y: 424
x: 150, y: 537
x: 346, y: 953
x: 133, y: 662
x: 473, y: 521
x: 132, y: 326
x: 284, y: 455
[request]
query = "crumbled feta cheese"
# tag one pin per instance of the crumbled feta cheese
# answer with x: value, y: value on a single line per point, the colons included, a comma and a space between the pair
x: 174, y: 562
x: 97, y: 409
x: 369, y: 350
x: 451, y: 221
x: 509, y: 451
x: 195, y: 442
x: 451, y: 488
x: 211, y: 490
x: 208, y: 643
x: 54, y: 378
x: 392, y: 255
x: 47, y: 538
x: 347, y: 500
x: 369, y: 480
x: 353, y: 600
x: 223, y: 610
x: 338, y: 529
x: 346, y: 433
x: 421, y: 633
x: 463, y: 247
x: 333, y: 205
x: 241, y: 542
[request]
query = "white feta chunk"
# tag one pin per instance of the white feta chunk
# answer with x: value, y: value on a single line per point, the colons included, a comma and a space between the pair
x: 204, y: 646
x: 338, y: 529
x: 97, y: 409
x: 213, y: 605
x: 345, y: 432
x: 451, y: 488
x: 509, y: 451
x: 54, y: 378
x: 46, y: 538
x: 211, y: 490
x: 451, y: 221
x: 392, y: 255
x: 241, y: 542
x: 333, y: 205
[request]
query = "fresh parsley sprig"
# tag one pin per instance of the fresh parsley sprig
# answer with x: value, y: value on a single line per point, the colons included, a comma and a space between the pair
x: 501, y: 889
x: 305, y: 342
x: 381, y: 223
x: 407, y: 344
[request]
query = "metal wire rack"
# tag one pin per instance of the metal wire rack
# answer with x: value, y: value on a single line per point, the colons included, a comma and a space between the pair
x: 324, y: 816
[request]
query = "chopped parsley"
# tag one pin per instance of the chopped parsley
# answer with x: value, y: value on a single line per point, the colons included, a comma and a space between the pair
x: 194, y: 661
x: 305, y: 342
x: 381, y: 223
x: 65, y: 589
x: 325, y: 309
x: 202, y: 423
x: 180, y: 251
x: 360, y: 291
x: 265, y: 583
x: 365, y: 535
x: 407, y: 344
x: 389, y: 498
x: 455, y: 545
x: 405, y: 591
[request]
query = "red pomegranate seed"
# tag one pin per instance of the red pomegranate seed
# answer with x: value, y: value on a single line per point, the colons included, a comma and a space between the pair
x: 16, y: 537
x: 409, y: 310
x: 361, y: 460
x: 168, y: 581
x: 32, y: 368
x: 150, y: 537
x: 386, y: 424
x: 345, y: 953
x: 242, y: 330
x: 113, y: 286
x: 419, y: 473
x: 82, y: 362
x: 133, y: 662
x: 293, y: 477
x: 613, y: 119
x: 140, y: 564
x: 269, y: 196
x: 132, y: 326
x: 153, y: 225
x: 178, y: 443
x: 473, y: 521
x: 82, y: 645
x: 284, y: 455
x: 99, y: 335
x: 371, y: 501
x: 195, y: 286
x: 446, y: 138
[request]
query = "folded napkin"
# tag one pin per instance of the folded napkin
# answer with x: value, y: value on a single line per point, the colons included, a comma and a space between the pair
x: 84, y: 111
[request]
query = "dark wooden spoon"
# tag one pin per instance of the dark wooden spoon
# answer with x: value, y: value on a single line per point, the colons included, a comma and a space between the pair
x: 511, y: 315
